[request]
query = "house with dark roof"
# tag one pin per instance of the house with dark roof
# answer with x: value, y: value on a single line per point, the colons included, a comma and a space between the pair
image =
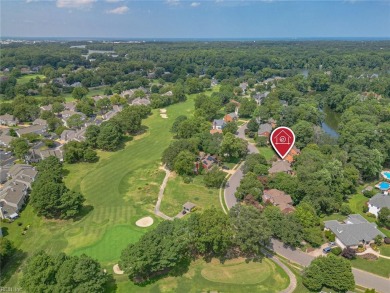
x: 265, y: 129
x: 279, y: 199
x: 36, y: 155
x: 280, y: 166
x: 38, y: 129
x: 377, y: 202
x: 8, y: 119
x: 353, y: 231
x: 259, y: 98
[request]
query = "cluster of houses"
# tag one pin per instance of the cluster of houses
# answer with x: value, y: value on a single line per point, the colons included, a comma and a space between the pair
x: 14, y: 192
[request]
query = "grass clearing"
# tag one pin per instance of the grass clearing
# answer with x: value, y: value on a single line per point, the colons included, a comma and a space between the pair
x: 27, y: 77
x: 178, y: 193
x: 267, y: 152
x: 232, y: 276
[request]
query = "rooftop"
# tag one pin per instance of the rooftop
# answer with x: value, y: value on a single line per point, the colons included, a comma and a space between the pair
x: 380, y: 200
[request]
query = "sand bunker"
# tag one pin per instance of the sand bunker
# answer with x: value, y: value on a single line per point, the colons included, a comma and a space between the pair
x: 163, y: 111
x: 145, y: 222
x: 117, y: 270
x: 165, y: 116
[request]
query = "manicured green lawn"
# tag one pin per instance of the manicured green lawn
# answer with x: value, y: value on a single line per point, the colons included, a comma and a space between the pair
x: 267, y: 152
x: 357, y: 201
x: 379, y: 267
x: 232, y: 276
x: 26, y: 78
x: 178, y: 193
x: 385, y: 249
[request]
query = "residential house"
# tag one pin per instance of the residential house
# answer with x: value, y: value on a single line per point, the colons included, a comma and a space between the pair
x: 39, y: 122
x: 217, y: 126
x: 127, y: 93
x: 353, y: 231
x: 65, y: 115
x: 207, y: 161
x: 70, y: 106
x: 77, y: 135
x: 377, y: 202
x: 214, y: 82
x: 230, y: 117
x: 244, y: 86
x: 259, y: 98
x: 97, y: 98
x: 12, y: 199
x: 292, y: 153
x: 272, y: 121
x: 8, y: 119
x: 110, y: 114
x: 280, y: 199
x: 5, y: 140
x: 38, y: 129
x: 280, y: 166
x: 140, y: 101
x: 265, y: 130
x: 35, y: 156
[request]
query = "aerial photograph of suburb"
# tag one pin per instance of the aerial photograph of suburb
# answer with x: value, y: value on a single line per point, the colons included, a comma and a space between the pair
x: 195, y: 146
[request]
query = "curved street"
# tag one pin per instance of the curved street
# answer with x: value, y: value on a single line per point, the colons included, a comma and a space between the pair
x: 362, y: 278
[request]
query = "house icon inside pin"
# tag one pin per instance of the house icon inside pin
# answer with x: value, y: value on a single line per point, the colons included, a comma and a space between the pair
x: 282, y: 138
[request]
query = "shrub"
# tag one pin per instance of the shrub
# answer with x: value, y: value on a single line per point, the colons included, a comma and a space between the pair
x: 365, y: 209
x: 369, y: 193
x: 187, y: 179
x: 378, y: 240
x: 330, y: 236
x: 349, y: 253
x: 370, y: 215
x: 345, y: 210
x: 336, y: 250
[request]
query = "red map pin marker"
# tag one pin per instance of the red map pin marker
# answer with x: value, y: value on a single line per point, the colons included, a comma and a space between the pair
x: 282, y: 139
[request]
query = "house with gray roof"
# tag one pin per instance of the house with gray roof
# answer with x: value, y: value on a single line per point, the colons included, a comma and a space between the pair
x: 377, y: 202
x: 265, y: 129
x: 12, y: 198
x: 260, y: 97
x: 77, y: 135
x: 38, y: 129
x: 140, y: 101
x: 46, y: 108
x: 5, y: 140
x: 8, y: 119
x: 70, y: 106
x: 353, y: 231
x: 218, y: 124
x: 36, y: 155
x: 39, y: 122
x: 280, y: 166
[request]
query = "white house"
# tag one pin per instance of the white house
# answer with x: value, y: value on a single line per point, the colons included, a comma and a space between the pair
x: 377, y: 202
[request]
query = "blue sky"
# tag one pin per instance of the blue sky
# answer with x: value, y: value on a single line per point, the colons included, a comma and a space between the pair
x: 195, y: 19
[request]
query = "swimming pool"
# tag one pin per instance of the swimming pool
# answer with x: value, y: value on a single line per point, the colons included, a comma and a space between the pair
x: 384, y: 185
x: 386, y: 174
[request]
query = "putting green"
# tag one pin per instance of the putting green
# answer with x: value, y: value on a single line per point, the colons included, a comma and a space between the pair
x: 237, y: 271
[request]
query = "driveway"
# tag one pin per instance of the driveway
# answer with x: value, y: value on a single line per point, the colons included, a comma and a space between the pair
x: 234, y: 181
x: 362, y: 278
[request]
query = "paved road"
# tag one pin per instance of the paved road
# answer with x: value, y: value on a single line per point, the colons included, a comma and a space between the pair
x: 362, y: 278
x: 234, y: 180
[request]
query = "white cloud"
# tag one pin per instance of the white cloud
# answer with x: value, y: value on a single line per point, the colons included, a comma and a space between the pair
x: 118, y: 10
x: 173, y: 2
x: 195, y: 4
x: 114, y: 1
x: 75, y: 3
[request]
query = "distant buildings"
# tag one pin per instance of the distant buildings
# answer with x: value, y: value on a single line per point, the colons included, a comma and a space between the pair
x: 15, y: 191
x: 8, y: 120
x: 37, y: 129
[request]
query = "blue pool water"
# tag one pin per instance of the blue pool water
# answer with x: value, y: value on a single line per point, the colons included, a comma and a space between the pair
x: 384, y: 185
x: 386, y: 174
